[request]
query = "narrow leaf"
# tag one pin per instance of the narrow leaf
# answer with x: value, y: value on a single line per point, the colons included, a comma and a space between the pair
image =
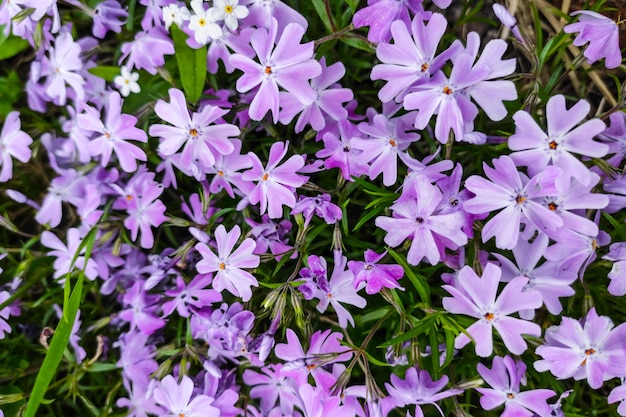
x: 191, y: 65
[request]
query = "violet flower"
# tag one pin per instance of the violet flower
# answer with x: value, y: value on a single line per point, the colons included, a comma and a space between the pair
x: 65, y: 254
x: 512, y: 191
x: 477, y: 297
x: 228, y: 264
x: 601, y: 33
x: 536, y: 149
x: 321, y: 206
x: 285, y: 63
x: 617, y: 275
x: 415, y: 216
x: 379, y: 15
x: 62, y: 65
x: 144, y: 212
x: 376, y: 276
x: 593, y: 349
x: 505, y: 378
x: 176, y: 398
x: 114, y: 132
x: 148, y: 50
x: 13, y: 143
x: 108, y: 16
x: 270, y: 386
x: 188, y: 297
x: 418, y: 388
x: 340, y: 153
x: 275, y: 183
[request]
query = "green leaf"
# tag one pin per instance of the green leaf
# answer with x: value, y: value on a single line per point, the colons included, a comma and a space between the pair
x: 11, y: 46
x: 107, y: 73
x: 191, y: 65
x: 418, y: 280
x: 353, y: 4
x: 62, y: 332
x: 321, y: 12
x: 423, y: 326
x: 358, y: 43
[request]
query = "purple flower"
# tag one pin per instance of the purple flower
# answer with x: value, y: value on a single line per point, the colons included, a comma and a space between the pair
x: 113, y: 134
x: 288, y: 64
x: 418, y: 388
x: 227, y: 172
x: 379, y: 15
x: 271, y: 235
x: 65, y: 254
x: 270, y: 386
x: 228, y: 263
x: 339, y: 151
x: 618, y: 394
x: 321, y: 206
x: 136, y: 358
x: 505, y: 378
x: 144, y: 211
x: 62, y: 66
x: 108, y: 15
x: 195, y: 295
x: 415, y: 217
x: 536, y: 149
x: 476, y: 297
x: 411, y: 57
x: 141, y: 309
x: 202, y: 141
x: 148, y: 50
x: 275, y: 184
x: 176, y: 398
x: 592, y: 349
x: 262, y: 12
x: 602, y: 34
x: 327, y: 104
x: 513, y: 192
x: 387, y: 139
x: 13, y: 143
x: 375, y: 276
x: 617, y: 275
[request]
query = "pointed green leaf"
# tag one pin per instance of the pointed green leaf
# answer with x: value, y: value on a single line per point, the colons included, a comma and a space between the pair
x: 191, y: 65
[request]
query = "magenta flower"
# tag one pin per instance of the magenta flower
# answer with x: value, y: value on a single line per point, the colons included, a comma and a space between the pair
x: 188, y: 297
x: 376, y: 276
x: 287, y: 64
x: 144, y: 211
x: 13, y: 143
x: 593, y: 349
x: 411, y: 57
x: 536, y: 149
x: 476, y: 297
x: 339, y: 151
x: 270, y: 386
x: 321, y: 206
x: 202, y: 141
x: 415, y: 216
x: 275, y: 184
x: 601, y: 33
x: 379, y: 15
x: 418, y: 388
x: 176, y: 399
x: 505, y: 378
x: 228, y: 263
x: 113, y: 134
x: 512, y: 191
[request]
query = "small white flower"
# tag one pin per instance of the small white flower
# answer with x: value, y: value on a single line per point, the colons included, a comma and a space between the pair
x: 127, y: 82
x: 175, y: 14
x: 230, y: 12
x: 203, y: 24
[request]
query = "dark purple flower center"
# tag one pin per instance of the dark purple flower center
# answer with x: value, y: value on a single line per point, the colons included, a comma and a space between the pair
x: 419, y: 220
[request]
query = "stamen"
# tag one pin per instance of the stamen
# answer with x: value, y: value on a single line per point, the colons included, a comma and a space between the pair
x: 368, y: 267
x: 489, y: 316
x: 419, y: 220
x: 228, y: 9
x: 268, y: 70
x: 520, y: 199
x: 552, y: 206
x: 425, y: 67
x: 222, y: 266
x: 193, y: 132
x: 202, y: 22
x: 510, y: 395
x: 392, y: 142
x: 220, y: 173
x: 553, y: 145
x: 447, y: 90
x: 265, y: 176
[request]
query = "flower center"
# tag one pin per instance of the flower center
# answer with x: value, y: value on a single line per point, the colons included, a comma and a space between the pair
x: 594, y: 246
x: 346, y: 148
x: 220, y: 173
x: 193, y: 132
x: 447, y: 90
x: 268, y: 70
x: 201, y: 22
x: 588, y: 352
x: 489, y: 316
x: 552, y: 206
x: 520, y: 199
x: 265, y: 176
x: 368, y: 267
x: 454, y: 202
x: 510, y: 395
x: 553, y: 145
x: 228, y: 9
x: 419, y: 220
x: 425, y: 67
x: 222, y: 266
x: 392, y: 142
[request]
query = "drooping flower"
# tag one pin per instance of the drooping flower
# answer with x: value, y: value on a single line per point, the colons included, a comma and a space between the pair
x: 505, y: 378
x: 285, y: 63
x: 194, y: 295
x: 14, y: 143
x: 594, y: 349
x: 321, y: 206
x: 275, y: 183
x: 228, y: 264
x: 601, y: 33
x: 477, y: 297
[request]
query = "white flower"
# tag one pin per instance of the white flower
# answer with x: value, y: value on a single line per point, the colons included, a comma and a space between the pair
x: 127, y: 82
x: 203, y: 24
x: 175, y: 14
x: 229, y: 11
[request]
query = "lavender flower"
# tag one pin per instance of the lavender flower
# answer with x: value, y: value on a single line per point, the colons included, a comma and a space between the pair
x: 374, y: 275
x: 505, y: 378
x: 617, y: 275
x: 108, y: 16
x: 148, y: 50
x: 176, y: 399
x: 594, y: 349
x: 601, y: 33
x: 62, y: 65
x: 13, y: 143
x: 476, y: 297
x: 65, y: 254
x: 228, y: 263
x: 285, y: 63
